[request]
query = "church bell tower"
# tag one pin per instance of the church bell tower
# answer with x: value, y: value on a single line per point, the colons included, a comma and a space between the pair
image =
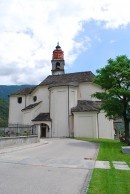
x: 57, y: 61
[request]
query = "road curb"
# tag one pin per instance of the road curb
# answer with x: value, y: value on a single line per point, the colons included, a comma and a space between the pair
x: 85, y: 187
x: 21, y: 147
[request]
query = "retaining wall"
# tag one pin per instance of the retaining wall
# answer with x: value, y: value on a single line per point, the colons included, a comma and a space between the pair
x: 10, y: 141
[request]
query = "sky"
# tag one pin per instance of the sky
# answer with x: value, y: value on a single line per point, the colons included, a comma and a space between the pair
x: 88, y: 31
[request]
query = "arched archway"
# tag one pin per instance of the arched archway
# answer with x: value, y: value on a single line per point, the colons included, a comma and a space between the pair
x: 44, y: 130
x: 57, y: 65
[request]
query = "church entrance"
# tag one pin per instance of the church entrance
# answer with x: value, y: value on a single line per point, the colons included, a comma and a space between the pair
x: 44, y: 128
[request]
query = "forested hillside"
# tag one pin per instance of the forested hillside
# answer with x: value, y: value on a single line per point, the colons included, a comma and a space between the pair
x: 7, y: 90
x: 3, y: 113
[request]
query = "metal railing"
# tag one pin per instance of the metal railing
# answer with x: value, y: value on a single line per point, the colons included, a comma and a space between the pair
x: 18, y: 130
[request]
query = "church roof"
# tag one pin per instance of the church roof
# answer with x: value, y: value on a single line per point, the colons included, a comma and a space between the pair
x: 72, y: 79
x: 31, y: 106
x: 42, y: 117
x: 68, y: 78
x: 85, y: 105
x: 24, y: 91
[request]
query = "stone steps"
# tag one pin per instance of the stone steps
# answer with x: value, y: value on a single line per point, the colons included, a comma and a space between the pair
x: 118, y: 165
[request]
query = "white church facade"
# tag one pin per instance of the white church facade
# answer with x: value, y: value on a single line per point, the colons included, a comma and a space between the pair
x: 61, y: 105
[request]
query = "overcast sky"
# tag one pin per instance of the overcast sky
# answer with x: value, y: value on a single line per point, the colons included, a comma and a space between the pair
x: 88, y: 31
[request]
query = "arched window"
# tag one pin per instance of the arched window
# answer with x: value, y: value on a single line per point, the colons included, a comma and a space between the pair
x: 57, y: 65
x: 19, y: 100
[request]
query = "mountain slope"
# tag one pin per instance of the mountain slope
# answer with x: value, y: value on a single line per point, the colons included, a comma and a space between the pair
x: 3, y: 113
x: 7, y: 90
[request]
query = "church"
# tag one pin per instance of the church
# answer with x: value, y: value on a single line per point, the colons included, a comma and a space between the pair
x: 61, y: 105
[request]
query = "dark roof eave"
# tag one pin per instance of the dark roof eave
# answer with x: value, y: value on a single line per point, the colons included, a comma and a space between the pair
x: 87, y: 106
x: 24, y: 91
x: 64, y: 84
x: 33, y: 120
x: 75, y: 111
x: 42, y: 117
x: 31, y: 106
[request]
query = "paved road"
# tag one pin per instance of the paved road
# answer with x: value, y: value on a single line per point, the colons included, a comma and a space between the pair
x: 55, y: 166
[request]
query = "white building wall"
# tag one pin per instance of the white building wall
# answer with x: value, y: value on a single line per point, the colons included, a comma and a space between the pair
x: 29, y: 100
x: 42, y: 94
x: 63, y: 98
x: 59, y: 111
x: 72, y: 97
x: 106, y: 127
x: 15, y: 114
x: 85, y: 124
x: 72, y: 103
x: 93, y: 125
x: 86, y: 89
x: 29, y: 115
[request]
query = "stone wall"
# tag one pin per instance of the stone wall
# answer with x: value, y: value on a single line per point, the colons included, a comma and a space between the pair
x: 11, y: 141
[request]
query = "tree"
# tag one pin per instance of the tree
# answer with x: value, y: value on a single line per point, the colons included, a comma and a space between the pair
x: 3, y: 113
x: 114, y: 79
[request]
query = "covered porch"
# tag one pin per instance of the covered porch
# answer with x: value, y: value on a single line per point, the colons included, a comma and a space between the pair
x: 44, y: 125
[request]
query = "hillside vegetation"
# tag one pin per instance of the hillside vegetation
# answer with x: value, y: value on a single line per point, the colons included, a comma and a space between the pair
x: 5, y: 90
x: 4, y: 107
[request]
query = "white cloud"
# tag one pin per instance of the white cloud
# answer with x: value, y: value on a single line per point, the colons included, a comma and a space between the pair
x: 29, y: 30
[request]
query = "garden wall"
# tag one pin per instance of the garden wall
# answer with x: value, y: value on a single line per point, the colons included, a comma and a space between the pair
x: 10, y: 141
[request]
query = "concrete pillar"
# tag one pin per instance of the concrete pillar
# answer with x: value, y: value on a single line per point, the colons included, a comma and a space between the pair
x: 39, y: 132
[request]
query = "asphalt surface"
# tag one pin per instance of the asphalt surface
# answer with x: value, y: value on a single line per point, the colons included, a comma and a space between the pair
x: 53, y: 166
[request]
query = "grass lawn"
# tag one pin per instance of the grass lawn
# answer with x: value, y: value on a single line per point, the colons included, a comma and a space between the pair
x: 110, y: 181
